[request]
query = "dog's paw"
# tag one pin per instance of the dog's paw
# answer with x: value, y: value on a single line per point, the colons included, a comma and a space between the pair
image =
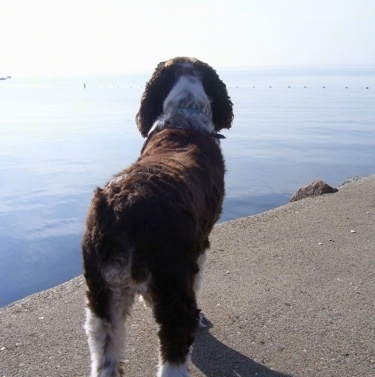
x: 202, y: 320
x: 173, y: 370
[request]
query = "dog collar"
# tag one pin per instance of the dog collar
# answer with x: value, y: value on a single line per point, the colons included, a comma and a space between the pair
x: 216, y: 135
x: 190, y: 111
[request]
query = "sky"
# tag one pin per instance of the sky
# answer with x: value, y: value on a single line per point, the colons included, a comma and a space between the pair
x: 65, y: 37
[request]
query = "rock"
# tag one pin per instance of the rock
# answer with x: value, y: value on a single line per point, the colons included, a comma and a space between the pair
x: 314, y: 188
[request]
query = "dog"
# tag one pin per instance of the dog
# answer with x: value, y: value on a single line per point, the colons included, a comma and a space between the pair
x: 147, y: 230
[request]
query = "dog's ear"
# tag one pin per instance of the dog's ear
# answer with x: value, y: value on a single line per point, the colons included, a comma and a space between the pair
x: 157, y: 89
x: 216, y: 90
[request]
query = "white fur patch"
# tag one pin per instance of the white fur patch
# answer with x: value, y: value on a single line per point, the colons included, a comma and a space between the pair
x: 188, y: 92
x: 173, y: 370
x: 107, y: 339
x: 184, y: 86
x: 197, y: 285
x: 106, y: 343
x: 117, y: 179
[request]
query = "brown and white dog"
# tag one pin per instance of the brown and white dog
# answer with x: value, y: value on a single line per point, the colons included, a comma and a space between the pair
x: 147, y: 229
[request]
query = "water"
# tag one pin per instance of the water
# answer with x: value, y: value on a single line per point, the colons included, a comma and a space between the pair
x: 58, y: 141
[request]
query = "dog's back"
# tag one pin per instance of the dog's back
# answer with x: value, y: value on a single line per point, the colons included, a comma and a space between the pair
x: 161, y: 208
x: 146, y: 233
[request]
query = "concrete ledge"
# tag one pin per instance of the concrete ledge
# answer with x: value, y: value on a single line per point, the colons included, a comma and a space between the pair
x: 288, y: 293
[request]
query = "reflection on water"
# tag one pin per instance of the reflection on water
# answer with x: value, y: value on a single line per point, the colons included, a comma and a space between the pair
x: 58, y: 141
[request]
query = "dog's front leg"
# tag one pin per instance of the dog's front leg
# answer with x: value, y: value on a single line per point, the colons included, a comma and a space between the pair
x: 198, y: 278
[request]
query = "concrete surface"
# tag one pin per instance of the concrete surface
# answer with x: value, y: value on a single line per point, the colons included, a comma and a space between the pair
x: 290, y: 292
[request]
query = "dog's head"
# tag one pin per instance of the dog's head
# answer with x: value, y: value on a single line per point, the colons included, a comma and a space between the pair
x: 166, y: 75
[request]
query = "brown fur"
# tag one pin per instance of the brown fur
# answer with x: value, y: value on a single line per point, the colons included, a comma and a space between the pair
x: 155, y: 218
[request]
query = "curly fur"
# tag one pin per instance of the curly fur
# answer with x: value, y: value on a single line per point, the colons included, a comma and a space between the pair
x: 147, y: 230
x: 164, y: 79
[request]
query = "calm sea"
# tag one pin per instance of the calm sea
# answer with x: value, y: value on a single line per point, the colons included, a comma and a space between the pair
x: 59, y: 140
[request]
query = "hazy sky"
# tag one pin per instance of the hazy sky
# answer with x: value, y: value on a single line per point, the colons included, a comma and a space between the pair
x: 103, y: 36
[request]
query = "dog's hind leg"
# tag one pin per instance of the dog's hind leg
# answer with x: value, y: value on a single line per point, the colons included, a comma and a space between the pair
x: 176, y: 312
x: 106, y: 330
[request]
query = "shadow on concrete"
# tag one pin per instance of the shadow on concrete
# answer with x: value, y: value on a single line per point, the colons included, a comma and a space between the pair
x: 216, y: 359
